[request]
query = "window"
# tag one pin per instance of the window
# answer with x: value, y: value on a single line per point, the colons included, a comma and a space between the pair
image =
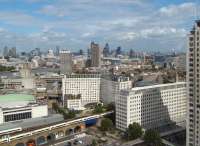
x: 20, y: 116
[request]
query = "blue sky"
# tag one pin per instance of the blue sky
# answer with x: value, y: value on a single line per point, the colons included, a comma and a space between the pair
x: 159, y: 25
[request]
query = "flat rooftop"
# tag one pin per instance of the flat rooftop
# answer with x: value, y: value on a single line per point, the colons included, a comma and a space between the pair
x: 16, y: 97
x: 16, y: 100
x: 32, y: 123
x: 158, y: 86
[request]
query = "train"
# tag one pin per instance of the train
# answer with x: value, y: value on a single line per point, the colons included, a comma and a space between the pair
x: 87, y: 120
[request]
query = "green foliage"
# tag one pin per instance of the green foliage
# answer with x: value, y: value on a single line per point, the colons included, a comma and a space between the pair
x: 67, y: 114
x: 5, y: 68
x: 110, y: 107
x: 98, y: 109
x: 71, y: 114
x: 94, y: 143
x: 152, y: 138
x: 106, y: 124
x: 134, y: 131
x: 55, y: 107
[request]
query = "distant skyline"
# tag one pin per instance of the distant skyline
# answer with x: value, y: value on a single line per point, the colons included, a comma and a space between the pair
x: 146, y: 25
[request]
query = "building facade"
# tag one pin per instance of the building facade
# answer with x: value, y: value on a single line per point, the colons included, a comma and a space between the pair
x: 73, y: 102
x: 152, y: 106
x: 65, y: 62
x: 111, y: 86
x: 15, y: 107
x: 193, y: 79
x: 95, y: 55
x: 87, y: 85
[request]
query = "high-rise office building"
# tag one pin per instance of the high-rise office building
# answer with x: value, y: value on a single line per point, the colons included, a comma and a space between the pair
x: 95, y: 55
x: 13, y: 52
x: 65, y: 62
x: 57, y: 50
x: 5, y: 51
x: 152, y: 106
x: 193, y: 78
x: 111, y: 86
x: 106, y: 50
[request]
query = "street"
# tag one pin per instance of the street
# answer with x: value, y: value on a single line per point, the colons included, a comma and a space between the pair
x: 84, y: 141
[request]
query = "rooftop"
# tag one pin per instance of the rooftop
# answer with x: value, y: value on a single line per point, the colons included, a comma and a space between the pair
x: 159, y: 86
x: 16, y: 97
x: 31, y: 123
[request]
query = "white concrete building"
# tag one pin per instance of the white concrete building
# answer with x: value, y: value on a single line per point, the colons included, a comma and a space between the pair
x: 151, y: 106
x: 87, y: 85
x: 73, y: 102
x: 193, y: 80
x: 15, y: 107
x: 111, y: 86
x: 18, y: 83
x: 3, y: 61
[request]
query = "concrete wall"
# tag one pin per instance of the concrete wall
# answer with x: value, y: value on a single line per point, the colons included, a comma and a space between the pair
x: 1, y: 116
x: 39, y: 111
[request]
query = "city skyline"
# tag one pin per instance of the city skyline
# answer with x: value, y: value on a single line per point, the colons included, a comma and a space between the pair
x: 136, y: 24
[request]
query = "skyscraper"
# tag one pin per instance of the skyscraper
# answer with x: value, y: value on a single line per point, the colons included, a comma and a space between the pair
x: 95, y: 55
x: 57, y: 50
x: 13, y: 52
x: 193, y: 78
x: 65, y: 62
x: 5, y: 51
x: 106, y: 50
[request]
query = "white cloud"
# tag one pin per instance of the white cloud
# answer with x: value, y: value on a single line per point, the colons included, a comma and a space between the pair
x: 76, y: 23
x: 159, y: 32
x: 184, y: 9
x: 19, y: 19
x: 2, y: 30
x: 87, y: 34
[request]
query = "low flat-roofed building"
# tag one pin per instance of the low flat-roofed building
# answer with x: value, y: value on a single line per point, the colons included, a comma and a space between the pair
x: 15, y: 107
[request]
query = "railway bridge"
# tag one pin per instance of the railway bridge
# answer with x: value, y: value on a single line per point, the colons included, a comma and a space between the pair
x: 48, y: 134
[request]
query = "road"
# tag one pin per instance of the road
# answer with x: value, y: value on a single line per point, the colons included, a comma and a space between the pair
x: 85, y: 141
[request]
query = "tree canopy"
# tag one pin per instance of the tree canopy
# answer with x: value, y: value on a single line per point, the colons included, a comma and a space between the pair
x: 152, y: 138
x: 134, y: 131
x: 98, y: 109
x: 5, y: 68
x: 106, y: 124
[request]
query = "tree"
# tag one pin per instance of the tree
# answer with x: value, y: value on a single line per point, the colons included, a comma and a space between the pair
x: 134, y: 131
x: 94, y: 143
x: 111, y: 107
x: 5, y: 68
x: 106, y: 124
x: 71, y: 114
x: 55, y: 107
x: 98, y: 109
x: 67, y: 114
x: 152, y: 138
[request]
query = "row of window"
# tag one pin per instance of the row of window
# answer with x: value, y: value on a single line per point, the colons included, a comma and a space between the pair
x: 19, y: 116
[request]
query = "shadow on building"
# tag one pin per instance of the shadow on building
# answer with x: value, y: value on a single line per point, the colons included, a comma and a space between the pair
x: 154, y: 113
